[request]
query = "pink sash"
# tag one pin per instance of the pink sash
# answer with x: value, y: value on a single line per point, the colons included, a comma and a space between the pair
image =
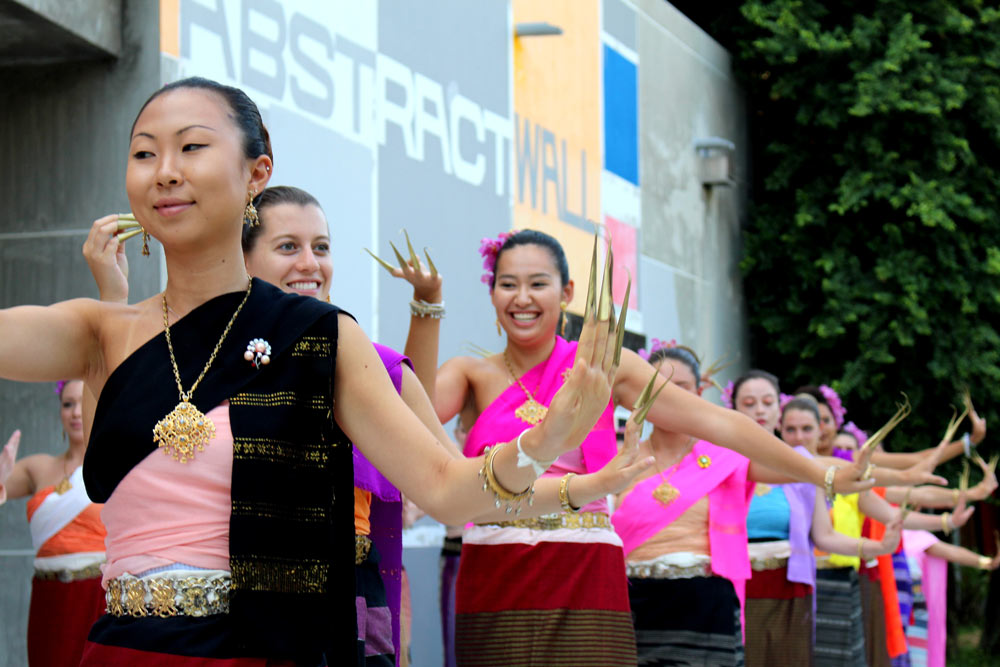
x: 498, y: 423
x: 725, y: 483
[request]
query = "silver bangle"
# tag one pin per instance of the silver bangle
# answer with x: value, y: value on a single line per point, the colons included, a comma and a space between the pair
x: 421, y: 308
x: 967, y: 443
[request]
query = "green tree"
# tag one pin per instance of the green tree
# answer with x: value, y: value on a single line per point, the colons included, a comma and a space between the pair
x: 872, y: 251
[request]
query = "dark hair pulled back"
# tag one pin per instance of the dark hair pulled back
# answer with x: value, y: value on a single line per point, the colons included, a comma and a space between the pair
x: 278, y: 194
x: 535, y: 237
x: 802, y: 405
x: 755, y: 374
x: 682, y: 354
x: 244, y: 113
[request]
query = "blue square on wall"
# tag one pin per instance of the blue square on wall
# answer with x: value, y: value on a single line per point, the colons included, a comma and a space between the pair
x: 621, y: 116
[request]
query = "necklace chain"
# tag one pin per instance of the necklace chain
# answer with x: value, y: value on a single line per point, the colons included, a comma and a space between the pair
x: 185, y: 396
x: 510, y: 369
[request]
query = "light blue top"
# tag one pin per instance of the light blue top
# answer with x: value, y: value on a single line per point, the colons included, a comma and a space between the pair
x: 769, y: 516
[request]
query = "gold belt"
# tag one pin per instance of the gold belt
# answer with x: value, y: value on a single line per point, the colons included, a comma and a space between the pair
x: 571, y: 520
x: 664, y: 571
x: 362, y: 545
x: 168, y: 596
x: 66, y: 576
x: 768, y: 563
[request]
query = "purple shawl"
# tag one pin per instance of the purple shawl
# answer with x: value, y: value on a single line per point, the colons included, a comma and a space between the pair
x: 801, y: 498
x: 386, y: 515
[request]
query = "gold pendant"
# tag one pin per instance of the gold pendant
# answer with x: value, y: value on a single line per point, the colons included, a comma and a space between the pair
x: 531, y: 411
x: 666, y: 493
x: 183, y: 431
x: 63, y: 486
x: 762, y: 489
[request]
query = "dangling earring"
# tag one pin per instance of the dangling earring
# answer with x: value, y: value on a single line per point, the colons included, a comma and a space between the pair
x: 145, y: 243
x: 328, y: 298
x: 562, y: 329
x: 250, y: 212
x: 499, y: 331
x: 65, y: 437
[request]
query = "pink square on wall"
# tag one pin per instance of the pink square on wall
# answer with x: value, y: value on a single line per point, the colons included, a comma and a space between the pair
x: 623, y: 245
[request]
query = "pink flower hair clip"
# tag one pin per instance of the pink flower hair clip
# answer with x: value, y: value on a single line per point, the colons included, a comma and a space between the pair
x: 655, y: 346
x: 727, y: 395
x: 856, y: 433
x: 836, y: 406
x: 59, y: 387
x: 489, y: 249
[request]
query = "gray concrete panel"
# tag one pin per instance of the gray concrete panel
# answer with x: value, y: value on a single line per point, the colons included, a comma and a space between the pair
x: 65, y: 133
x: 41, y: 31
x: 619, y: 22
x: 470, y: 57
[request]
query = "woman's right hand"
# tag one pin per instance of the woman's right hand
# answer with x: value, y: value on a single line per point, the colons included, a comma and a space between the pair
x: 893, y: 531
x: 988, y: 485
x: 105, y: 256
x: 7, y: 459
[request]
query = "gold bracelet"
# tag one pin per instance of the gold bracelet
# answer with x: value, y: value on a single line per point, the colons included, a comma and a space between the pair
x: 567, y: 506
x: 944, y: 523
x: 985, y: 562
x: 868, y: 471
x: 500, y: 493
x: 828, y: 484
x: 954, y: 496
x: 861, y: 548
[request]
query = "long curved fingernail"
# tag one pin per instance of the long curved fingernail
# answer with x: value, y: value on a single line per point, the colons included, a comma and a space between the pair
x: 621, y: 322
x: 386, y: 265
x: 414, y: 258
x: 125, y: 236
x: 399, y: 256
x: 430, y: 263
x: 589, y: 304
x: 605, y: 306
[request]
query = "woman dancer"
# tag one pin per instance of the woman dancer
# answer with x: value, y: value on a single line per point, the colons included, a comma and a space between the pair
x: 784, y: 522
x: 929, y: 557
x: 67, y: 535
x: 510, y: 609
x: 684, y: 534
x: 246, y: 522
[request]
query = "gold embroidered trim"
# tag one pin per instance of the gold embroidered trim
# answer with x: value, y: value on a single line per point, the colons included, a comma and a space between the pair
x: 665, y: 571
x: 282, y: 512
x: 258, y: 573
x: 66, y: 576
x: 277, y: 451
x: 362, y: 545
x: 168, y: 596
x: 572, y: 521
x: 768, y: 563
x: 312, y: 346
x: 280, y: 399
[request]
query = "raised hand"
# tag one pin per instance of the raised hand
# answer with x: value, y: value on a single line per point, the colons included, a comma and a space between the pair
x: 104, y: 251
x: 426, y: 281
x: 988, y: 485
x: 7, y: 459
x: 621, y: 471
x: 584, y: 396
x: 893, y: 532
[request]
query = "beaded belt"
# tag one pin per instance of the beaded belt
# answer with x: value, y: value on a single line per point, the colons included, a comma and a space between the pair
x: 166, y: 596
x: 768, y: 563
x: 570, y: 520
x: 665, y: 571
x: 362, y: 545
x: 66, y: 576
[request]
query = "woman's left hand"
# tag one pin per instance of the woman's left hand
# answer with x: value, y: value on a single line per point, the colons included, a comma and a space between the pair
x: 961, y: 514
x: 426, y: 280
x: 621, y: 471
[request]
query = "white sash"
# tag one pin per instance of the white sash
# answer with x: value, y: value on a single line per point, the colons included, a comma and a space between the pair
x: 58, y: 510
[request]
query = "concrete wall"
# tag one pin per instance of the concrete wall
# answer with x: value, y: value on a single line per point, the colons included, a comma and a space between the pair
x: 690, y: 249
x: 64, y: 136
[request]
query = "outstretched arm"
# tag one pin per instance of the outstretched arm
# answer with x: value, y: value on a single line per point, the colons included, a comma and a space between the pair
x: 962, y: 556
x: 374, y: 417
x: 679, y: 411
x: 827, y: 539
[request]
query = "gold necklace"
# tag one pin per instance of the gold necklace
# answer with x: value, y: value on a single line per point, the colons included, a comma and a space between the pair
x: 64, y: 484
x: 531, y: 411
x: 666, y: 492
x: 186, y: 429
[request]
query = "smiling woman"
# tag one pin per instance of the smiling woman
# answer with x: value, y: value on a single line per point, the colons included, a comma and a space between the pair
x: 239, y: 543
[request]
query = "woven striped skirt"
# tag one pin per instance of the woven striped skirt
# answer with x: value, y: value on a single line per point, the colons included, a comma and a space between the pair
x: 539, y: 597
x: 840, y: 637
x: 779, y: 618
x: 690, y: 622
